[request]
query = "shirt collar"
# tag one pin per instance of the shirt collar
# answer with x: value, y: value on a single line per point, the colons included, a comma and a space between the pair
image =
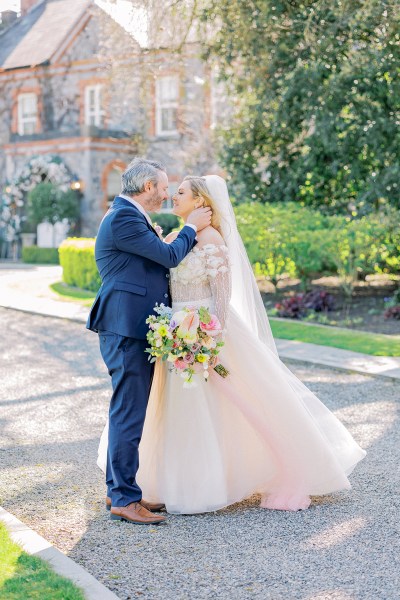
x: 138, y: 206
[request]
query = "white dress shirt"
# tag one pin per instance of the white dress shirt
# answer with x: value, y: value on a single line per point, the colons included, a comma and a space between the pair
x: 140, y: 207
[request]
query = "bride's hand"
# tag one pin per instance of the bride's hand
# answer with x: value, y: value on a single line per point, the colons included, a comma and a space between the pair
x: 213, y: 362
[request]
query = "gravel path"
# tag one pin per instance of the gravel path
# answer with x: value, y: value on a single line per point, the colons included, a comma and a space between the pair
x: 53, y: 404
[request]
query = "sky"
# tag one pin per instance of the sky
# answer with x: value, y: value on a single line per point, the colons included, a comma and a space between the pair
x: 9, y: 5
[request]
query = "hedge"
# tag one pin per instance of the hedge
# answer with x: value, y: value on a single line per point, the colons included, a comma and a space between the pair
x: 78, y: 263
x: 34, y: 254
x: 167, y: 221
x: 301, y: 242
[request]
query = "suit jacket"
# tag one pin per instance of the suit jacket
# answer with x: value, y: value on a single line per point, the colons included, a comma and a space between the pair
x: 134, y: 268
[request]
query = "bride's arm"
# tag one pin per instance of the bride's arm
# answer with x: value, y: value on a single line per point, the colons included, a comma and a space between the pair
x: 219, y: 276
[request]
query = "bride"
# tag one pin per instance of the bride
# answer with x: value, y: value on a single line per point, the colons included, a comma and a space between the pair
x: 260, y: 430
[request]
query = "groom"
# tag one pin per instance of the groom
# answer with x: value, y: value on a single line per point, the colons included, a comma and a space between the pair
x: 134, y: 267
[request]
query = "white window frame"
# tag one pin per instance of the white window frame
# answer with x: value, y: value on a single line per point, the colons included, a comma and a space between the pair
x: 165, y: 104
x: 23, y: 119
x: 94, y: 116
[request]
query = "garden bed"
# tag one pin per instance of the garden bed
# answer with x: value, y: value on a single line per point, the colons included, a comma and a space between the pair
x: 363, y: 311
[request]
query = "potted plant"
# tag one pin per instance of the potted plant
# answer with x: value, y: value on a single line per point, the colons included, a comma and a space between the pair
x: 28, y: 232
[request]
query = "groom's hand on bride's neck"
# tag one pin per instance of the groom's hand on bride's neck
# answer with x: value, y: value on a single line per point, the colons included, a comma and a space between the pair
x: 200, y: 218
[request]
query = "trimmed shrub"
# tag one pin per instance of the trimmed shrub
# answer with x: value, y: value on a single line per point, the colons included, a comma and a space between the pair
x: 78, y: 263
x: 287, y: 239
x: 45, y: 256
x: 167, y: 221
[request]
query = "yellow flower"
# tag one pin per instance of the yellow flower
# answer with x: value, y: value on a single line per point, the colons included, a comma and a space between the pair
x: 162, y: 330
x: 201, y: 358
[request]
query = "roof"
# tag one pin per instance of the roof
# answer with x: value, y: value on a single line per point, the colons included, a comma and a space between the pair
x: 33, y: 39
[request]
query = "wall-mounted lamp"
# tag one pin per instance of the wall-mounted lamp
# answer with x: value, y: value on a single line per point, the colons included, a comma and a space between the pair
x: 76, y: 185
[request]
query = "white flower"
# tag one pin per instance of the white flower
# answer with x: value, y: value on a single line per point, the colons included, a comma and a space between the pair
x: 212, y: 272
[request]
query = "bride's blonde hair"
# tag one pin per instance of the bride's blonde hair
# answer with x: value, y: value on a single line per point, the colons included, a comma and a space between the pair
x: 199, y: 189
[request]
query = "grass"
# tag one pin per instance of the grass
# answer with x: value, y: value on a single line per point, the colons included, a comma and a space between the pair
x: 375, y: 344
x: 73, y: 294
x: 25, y: 577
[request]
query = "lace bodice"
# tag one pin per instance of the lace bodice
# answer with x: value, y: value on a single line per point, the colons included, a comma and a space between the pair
x: 203, y: 274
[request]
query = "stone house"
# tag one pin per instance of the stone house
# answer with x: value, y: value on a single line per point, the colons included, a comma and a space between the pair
x: 77, y: 85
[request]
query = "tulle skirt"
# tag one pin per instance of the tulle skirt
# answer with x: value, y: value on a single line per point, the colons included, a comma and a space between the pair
x: 260, y: 430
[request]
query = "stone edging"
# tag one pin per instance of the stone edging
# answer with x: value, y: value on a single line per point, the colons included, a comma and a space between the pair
x: 36, y: 545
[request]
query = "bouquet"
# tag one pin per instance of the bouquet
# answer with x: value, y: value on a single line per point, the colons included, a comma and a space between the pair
x: 187, y: 340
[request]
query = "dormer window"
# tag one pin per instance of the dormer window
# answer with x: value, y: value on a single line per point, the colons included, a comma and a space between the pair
x: 167, y: 96
x: 27, y: 113
x: 94, y: 114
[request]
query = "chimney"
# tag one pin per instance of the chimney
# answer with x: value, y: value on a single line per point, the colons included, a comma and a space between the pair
x: 8, y: 17
x: 27, y: 5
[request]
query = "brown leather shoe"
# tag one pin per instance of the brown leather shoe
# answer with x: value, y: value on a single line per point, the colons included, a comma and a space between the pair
x: 135, y: 513
x: 152, y: 506
x: 148, y: 505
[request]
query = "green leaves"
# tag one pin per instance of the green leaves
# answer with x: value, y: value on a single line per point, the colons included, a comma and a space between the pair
x: 315, y: 89
x: 47, y: 202
x: 303, y: 243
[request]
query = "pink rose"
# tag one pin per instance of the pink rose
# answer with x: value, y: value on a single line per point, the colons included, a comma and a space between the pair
x: 213, y: 327
x: 180, y: 364
x: 188, y: 358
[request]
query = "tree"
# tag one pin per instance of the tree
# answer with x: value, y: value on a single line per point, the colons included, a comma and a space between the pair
x: 316, y: 97
x: 47, y: 202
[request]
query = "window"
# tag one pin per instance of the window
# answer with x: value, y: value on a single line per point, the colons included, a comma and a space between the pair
x: 27, y: 114
x: 93, y: 105
x: 167, y: 92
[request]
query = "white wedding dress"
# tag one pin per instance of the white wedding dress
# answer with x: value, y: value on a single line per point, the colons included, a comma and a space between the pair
x: 258, y: 430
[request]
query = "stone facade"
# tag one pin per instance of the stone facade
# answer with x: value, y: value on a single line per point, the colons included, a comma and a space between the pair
x: 97, y: 53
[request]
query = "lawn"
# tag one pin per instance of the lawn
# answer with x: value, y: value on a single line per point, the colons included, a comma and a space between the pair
x: 74, y: 294
x: 24, y: 577
x: 376, y: 344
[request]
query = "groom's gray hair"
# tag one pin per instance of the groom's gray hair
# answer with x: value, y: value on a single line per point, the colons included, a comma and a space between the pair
x: 137, y: 173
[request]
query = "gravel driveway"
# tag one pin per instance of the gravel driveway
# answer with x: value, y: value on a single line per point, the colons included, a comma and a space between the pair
x: 53, y: 404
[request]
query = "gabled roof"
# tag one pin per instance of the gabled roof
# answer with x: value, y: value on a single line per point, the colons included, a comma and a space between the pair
x: 33, y: 39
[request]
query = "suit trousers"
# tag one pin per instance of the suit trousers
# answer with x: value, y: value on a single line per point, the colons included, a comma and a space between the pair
x: 131, y: 376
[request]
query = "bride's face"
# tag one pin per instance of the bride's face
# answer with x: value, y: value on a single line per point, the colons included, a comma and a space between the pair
x: 183, y: 200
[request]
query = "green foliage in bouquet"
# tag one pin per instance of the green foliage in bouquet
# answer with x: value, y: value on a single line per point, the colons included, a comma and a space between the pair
x: 78, y: 263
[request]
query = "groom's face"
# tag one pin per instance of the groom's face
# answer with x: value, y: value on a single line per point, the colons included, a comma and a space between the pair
x: 158, y: 193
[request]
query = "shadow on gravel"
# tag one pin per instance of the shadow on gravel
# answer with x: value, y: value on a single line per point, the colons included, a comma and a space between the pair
x: 345, y: 547
x: 52, y: 395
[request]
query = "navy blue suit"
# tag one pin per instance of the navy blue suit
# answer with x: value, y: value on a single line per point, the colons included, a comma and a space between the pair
x: 133, y: 264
